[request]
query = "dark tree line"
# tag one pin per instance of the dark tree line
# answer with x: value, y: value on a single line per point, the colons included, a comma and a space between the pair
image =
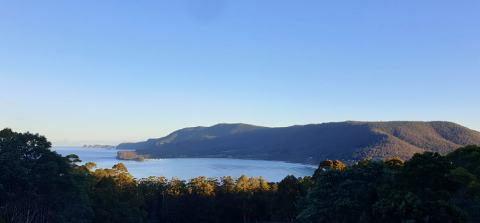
x: 38, y: 185
x: 427, y: 188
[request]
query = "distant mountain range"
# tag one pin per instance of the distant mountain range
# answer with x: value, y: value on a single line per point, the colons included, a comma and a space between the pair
x: 96, y: 146
x: 346, y: 141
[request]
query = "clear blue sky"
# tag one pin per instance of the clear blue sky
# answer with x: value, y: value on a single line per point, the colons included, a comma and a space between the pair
x: 84, y: 72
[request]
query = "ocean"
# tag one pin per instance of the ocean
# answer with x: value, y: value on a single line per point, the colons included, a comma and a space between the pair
x: 186, y: 168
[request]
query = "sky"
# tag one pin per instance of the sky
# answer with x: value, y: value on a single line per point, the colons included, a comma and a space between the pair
x: 86, y: 72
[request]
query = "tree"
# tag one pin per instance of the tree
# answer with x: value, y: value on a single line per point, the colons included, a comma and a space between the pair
x: 467, y: 173
x: 285, y: 197
x: 344, y: 195
x: 36, y: 184
x: 394, y: 163
x: 467, y: 157
x: 116, y: 196
x: 338, y: 165
x: 242, y: 184
x: 420, y: 193
x: 328, y: 165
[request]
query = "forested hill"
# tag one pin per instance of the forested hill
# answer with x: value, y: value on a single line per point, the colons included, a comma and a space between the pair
x: 191, y: 134
x: 311, y: 143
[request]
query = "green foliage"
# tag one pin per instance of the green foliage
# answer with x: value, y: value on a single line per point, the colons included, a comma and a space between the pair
x: 426, y: 175
x: 473, y: 189
x: 462, y: 176
x: 426, y: 188
x: 327, y: 165
x: 467, y: 157
x: 344, y: 195
x: 36, y: 184
x: 209, y: 199
x: 394, y: 163
x: 420, y: 193
x: 288, y: 191
x: 467, y: 161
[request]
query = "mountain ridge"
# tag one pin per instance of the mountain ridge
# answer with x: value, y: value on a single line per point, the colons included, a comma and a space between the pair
x: 219, y: 129
x: 346, y: 141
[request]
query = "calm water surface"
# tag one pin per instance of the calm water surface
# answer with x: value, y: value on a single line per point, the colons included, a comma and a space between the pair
x: 186, y: 168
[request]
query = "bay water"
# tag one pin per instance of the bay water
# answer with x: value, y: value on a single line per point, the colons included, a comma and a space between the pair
x: 186, y: 168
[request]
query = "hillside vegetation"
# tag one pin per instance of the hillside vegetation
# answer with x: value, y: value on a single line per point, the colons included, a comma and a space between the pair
x: 346, y: 141
x: 38, y: 185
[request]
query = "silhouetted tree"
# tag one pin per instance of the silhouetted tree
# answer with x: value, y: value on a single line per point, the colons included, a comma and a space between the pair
x: 420, y: 193
x: 344, y: 195
x: 36, y: 184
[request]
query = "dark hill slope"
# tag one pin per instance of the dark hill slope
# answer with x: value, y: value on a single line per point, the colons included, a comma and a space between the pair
x: 441, y: 137
x: 191, y: 134
x: 313, y: 143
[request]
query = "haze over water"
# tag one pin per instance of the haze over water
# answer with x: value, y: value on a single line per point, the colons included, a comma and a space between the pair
x: 186, y: 168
